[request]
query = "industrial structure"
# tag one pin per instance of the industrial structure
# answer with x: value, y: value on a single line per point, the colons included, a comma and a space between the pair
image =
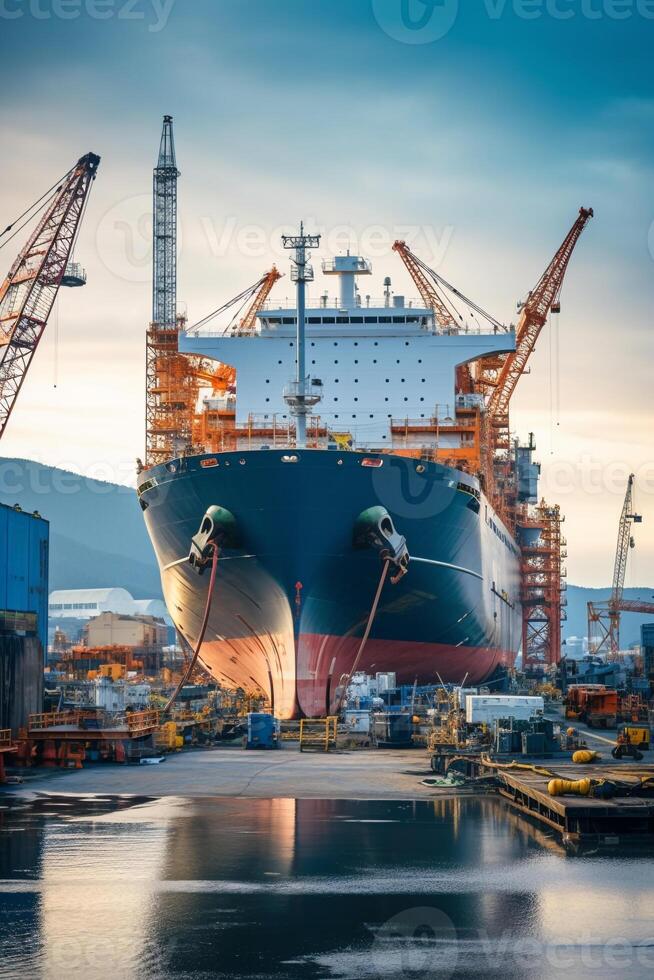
x: 500, y: 459
x: 192, y: 388
x: 604, y: 617
x: 24, y: 544
x: 175, y: 423
x: 30, y: 288
x: 27, y: 295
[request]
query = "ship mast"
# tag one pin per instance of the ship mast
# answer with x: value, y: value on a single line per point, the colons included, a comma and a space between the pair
x: 300, y: 395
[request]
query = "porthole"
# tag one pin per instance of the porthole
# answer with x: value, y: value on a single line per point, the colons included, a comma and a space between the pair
x: 339, y: 462
x: 420, y: 468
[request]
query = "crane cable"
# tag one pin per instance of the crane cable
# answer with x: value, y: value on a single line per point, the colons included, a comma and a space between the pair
x: 203, y: 630
x: 242, y: 297
x: 456, y: 292
x: 48, y: 194
x: 366, y: 634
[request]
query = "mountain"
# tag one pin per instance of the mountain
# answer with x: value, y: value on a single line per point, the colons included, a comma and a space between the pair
x: 630, y: 623
x: 97, y: 533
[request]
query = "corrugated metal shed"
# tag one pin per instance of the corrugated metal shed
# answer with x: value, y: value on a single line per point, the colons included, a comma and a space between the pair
x: 24, y: 543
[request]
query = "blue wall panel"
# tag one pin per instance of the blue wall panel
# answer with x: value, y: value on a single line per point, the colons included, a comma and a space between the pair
x: 24, y: 543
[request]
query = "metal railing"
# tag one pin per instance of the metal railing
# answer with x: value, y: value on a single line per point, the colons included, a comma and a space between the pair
x: 142, y: 721
x: 318, y: 733
x: 54, y: 719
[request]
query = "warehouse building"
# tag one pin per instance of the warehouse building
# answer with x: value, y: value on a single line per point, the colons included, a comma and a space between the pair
x: 24, y: 547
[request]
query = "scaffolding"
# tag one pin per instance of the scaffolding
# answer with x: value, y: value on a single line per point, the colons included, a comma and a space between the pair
x: 543, y: 587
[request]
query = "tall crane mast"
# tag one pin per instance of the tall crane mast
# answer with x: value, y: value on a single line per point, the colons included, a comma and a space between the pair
x: 533, y: 317
x: 169, y: 393
x: 604, y: 617
x: 28, y: 293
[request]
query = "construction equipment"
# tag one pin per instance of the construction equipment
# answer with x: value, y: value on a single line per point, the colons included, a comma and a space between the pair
x: 495, y: 378
x: 593, y: 704
x: 631, y: 739
x: 30, y: 289
x: 174, y: 381
x: 625, y: 748
x: 544, y: 297
x: 604, y: 617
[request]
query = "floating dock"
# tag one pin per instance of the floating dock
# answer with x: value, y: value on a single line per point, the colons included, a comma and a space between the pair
x: 626, y: 817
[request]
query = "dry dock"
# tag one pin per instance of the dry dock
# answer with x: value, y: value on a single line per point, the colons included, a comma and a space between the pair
x: 233, y: 772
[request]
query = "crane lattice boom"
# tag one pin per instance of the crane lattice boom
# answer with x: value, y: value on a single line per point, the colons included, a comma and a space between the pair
x: 28, y: 293
x: 604, y: 617
x: 263, y: 292
x: 533, y: 316
x: 428, y: 292
x: 625, y: 541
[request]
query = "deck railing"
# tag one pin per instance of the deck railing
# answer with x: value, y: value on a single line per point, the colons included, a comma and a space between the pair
x: 54, y: 719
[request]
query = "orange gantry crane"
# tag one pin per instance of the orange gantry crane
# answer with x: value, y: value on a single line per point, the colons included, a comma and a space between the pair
x: 495, y: 378
x: 28, y: 293
x: 604, y: 617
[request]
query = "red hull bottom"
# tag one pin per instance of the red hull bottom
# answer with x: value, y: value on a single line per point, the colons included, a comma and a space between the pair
x: 308, y: 684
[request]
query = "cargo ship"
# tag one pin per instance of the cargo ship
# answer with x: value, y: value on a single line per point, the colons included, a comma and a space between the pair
x: 338, y: 474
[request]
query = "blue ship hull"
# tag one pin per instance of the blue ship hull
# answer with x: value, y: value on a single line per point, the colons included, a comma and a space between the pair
x: 293, y: 594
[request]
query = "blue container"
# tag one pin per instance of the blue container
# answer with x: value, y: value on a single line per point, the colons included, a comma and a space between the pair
x: 24, y: 545
x: 262, y: 731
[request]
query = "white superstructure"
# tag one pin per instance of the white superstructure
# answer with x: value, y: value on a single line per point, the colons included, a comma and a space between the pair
x: 370, y: 363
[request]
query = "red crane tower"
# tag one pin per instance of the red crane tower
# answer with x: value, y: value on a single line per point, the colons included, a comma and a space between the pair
x: 28, y: 293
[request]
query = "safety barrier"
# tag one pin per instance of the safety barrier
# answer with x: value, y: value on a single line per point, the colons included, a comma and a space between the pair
x: 54, y: 719
x: 318, y: 733
x: 142, y: 722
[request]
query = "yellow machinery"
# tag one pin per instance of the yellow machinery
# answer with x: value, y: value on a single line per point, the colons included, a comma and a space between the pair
x: 637, y: 734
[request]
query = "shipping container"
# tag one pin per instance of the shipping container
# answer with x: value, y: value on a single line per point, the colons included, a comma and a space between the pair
x: 484, y: 709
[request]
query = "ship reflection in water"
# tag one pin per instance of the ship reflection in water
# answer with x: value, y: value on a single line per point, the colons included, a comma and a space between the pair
x: 303, y: 889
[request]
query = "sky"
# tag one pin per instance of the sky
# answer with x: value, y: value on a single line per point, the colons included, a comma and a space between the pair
x: 474, y: 128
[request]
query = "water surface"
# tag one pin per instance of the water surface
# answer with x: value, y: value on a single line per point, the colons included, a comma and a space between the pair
x: 127, y: 888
